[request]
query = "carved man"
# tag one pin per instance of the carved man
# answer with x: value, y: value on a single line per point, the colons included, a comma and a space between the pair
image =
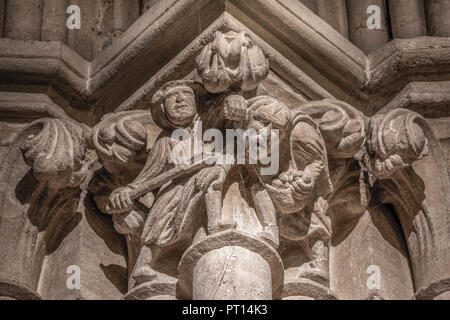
x: 287, y: 198
x: 176, y: 212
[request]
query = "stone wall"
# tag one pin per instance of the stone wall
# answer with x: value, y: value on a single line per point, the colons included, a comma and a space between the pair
x: 107, y: 19
x: 103, y: 21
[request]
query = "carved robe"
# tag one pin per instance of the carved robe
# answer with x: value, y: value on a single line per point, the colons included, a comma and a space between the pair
x: 179, y: 204
x: 306, y: 145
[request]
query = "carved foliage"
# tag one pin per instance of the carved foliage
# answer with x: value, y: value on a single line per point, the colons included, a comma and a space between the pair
x: 232, y: 61
x: 397, y: 139
x: 55, y: 149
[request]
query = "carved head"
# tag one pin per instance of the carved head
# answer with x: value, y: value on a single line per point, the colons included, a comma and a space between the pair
x: 175, y: 104
x: 342, y: 126
x: 265, y: 112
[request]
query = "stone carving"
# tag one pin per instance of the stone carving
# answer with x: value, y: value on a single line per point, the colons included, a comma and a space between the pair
x: 190, y: 226
x: 396, y: 141
x: 121, y: 142
x: 231, y: 61
x: 49, y: 165
x: 176, y: 207
x: 53, y: 164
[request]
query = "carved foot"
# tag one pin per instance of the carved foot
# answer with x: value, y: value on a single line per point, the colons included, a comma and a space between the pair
x: 270, y: 235
x: 144, y: 274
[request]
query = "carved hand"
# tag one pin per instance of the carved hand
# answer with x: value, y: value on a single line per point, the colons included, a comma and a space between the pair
x: 120, y: 201
x: 235, y: 108
x: 298, y: 182
x: 301, y: 183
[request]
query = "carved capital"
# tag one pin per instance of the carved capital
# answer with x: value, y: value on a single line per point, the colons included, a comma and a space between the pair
x: 56, y: 151
x: 396, y: 140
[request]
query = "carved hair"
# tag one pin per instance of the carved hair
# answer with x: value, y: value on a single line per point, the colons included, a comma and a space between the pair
x: 278, y: 107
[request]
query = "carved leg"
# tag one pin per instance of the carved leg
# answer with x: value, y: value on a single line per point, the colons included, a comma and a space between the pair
x: 266, y: 212
x: 317, y: 269
x: 213, y: 210
x: 213, y: 202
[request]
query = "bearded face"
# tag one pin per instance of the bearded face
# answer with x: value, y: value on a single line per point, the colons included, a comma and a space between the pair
x: 180, y: 106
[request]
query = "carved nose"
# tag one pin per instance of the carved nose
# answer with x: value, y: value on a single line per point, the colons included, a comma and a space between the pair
x: 179, y: 97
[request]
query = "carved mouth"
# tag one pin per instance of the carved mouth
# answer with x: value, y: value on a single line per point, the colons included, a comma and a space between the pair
x: 182, y: 106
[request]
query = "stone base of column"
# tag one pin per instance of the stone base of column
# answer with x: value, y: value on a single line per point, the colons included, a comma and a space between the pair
x: 230, y: 265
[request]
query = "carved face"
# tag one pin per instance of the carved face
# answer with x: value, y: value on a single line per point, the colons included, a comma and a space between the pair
x: 271, y: 116
x: 180, y: 105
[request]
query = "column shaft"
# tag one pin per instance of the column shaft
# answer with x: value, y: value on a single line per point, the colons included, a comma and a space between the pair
x: 438, y: 16
x: 2, y: 16
x: 408, y: 18
x: 335, y: 13
x: 232, y: 273
x: 54, y: 20
x: 23, y: 19
x: 366, y: 39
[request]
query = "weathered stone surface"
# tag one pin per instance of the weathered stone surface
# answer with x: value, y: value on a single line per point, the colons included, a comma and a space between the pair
x: 408, y: 18
x: 115, y: 159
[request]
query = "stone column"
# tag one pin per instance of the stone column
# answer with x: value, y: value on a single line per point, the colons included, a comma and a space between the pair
x: 54, y: 20
x: 335, y: 13
x: 2, y: 16
x: 120, y: 17
x: 23, y: 19
x: 408, y: 18
x: 231, y: 265
x: 366, y: 39
x: 438, y: 15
